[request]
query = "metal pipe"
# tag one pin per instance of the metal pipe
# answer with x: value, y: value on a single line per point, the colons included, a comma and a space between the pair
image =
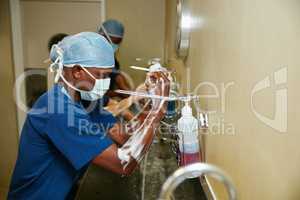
x: 153, y: 96
x: 193, y: 171
x: 207, y: 188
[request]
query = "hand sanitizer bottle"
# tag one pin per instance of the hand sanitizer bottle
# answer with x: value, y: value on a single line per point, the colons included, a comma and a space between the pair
x: 188, y: 137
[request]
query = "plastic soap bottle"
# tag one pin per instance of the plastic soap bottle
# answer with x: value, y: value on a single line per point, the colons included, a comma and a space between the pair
x: 188, y: 137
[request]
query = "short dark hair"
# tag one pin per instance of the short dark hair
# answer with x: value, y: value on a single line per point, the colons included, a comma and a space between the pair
x: 56, y: 38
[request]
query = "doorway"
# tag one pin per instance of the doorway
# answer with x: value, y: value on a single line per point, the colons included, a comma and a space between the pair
x: 34, y: 22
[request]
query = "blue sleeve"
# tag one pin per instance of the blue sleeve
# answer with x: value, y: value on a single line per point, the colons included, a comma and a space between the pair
x: 78, y: 138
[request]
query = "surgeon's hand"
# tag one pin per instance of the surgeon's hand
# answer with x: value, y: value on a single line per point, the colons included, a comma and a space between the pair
x: 142, y: 89
x: 157, y: 83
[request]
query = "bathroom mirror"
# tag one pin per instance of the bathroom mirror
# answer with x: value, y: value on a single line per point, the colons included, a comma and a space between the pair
x: 183, y: 29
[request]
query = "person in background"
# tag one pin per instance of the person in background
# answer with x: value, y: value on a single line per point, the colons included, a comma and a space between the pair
x: 113, y: 31
x: 56, y: 38
x: 61, y: 137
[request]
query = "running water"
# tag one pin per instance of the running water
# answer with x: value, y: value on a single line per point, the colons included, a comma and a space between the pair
x: 144, y: 176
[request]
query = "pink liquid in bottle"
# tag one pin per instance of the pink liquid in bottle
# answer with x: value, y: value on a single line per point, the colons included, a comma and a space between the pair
x: 189, y: 158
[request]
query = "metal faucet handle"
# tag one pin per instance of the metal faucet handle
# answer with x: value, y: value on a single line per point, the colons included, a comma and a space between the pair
x: 193, y: 171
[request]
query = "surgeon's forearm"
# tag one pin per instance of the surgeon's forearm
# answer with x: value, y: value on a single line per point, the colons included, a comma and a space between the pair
x: 120, y: 134
x: 134, y: 162
x: 136, y: 122
x: 150, y: 133
x: 111, y: 93
x: 117, y: 134
x: 138, y: 144
x: 109, y: 160
x: 116, y: 108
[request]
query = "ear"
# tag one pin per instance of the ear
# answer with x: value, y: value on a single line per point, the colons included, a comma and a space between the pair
x: 77, y: 72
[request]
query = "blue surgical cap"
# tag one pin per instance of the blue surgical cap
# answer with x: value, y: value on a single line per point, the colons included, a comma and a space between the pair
x: 86, y: 49
x: 113, y: 28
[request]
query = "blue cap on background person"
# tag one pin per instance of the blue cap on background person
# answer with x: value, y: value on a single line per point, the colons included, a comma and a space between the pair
x: 113, y: 28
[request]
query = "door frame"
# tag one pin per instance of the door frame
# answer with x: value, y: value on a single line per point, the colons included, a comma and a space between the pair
x: 18, y: 54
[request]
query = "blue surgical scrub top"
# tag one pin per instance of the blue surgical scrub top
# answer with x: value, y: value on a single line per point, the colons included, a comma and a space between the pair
x: 58, y: 141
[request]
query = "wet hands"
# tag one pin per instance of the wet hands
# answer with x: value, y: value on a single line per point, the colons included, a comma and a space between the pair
x: 157, y: 83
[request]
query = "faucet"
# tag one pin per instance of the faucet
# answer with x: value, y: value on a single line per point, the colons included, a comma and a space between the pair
x: 193, y: 171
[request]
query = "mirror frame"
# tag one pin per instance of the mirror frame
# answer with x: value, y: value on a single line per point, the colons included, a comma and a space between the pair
x: 183, y: 31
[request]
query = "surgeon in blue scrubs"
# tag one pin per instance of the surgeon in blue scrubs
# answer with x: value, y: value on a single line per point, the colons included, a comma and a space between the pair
x: 61, y: 136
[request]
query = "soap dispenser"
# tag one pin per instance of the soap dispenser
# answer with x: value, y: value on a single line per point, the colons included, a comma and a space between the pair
x: 188, y: 136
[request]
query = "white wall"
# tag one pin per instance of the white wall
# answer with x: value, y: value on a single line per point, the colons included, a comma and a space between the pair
x: 144, y: 22
x: 8, y: 123
x: 245, y: 41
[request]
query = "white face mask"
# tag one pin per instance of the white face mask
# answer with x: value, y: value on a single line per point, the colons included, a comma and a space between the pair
x: 100, y: 88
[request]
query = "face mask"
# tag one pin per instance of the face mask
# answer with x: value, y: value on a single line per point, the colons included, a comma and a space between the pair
x: 115, y: 47
x: 99, y: 89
